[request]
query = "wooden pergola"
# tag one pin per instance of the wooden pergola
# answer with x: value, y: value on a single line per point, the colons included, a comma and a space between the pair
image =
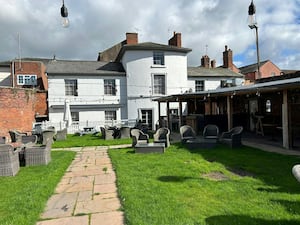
x: 284, y: 92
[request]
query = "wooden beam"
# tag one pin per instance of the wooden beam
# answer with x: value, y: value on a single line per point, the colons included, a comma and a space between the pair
x: 285, y: 122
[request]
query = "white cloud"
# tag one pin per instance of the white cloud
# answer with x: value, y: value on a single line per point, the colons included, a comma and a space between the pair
x: 97, y: 25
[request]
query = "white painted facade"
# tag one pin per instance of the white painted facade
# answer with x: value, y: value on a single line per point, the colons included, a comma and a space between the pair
x: 90, y: 102
x: 212, y: 83
x: 140, y: 72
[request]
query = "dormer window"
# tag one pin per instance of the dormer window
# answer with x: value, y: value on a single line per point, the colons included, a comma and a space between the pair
x: 158, y: 58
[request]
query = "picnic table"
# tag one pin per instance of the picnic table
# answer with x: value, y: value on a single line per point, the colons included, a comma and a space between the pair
x: 88, y: 130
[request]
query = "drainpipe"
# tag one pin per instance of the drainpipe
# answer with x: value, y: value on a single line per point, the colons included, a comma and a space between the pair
x: 13, y: 73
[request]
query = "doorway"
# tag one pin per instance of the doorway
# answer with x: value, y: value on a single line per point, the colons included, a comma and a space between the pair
x: 147, y: 117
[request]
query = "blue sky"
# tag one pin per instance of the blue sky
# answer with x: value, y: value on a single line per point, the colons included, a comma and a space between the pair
x: 97, y: 25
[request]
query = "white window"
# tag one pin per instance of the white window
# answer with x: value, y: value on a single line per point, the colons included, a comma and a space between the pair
x: 110, y: 87
x: 158, y: 58
x: 71, y: 87
x: 159, y: 84
x: 110, y: 115
x: 199, y: 85
x: 75, y: 116
x: 26, y: 79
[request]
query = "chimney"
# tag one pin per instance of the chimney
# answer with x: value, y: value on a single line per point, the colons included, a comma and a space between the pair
x: 205, y: 61
x: 175, y: 40
x: 131, y: 38
x: 213, y: 63
x: 227, y: 58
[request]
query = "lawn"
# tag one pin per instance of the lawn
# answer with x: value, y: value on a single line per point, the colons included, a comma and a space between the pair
x: 88, y: 140
x: 217, y: 186
x: 24, y: 196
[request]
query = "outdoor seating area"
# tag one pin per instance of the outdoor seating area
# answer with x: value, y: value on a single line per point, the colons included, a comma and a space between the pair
x: 175, y: 157
x: 211, y: 137
x: 24, y: 150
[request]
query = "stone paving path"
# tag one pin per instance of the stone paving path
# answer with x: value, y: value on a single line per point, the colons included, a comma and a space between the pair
x: 87, y: 193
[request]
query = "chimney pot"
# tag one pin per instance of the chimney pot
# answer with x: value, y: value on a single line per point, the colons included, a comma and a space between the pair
x: 205, y: 61
x: 131, y: 38
x: 213, y: 63
x: 227, y: 58
x: 175, y: 40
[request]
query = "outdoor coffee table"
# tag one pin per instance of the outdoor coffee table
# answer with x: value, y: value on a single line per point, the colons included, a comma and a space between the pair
x: 150, y: 148
x: 201, y: 143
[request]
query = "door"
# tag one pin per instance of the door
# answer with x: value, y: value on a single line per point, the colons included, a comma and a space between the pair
x: 147, y: 117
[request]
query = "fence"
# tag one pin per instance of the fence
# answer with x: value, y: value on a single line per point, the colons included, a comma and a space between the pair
x: 77, y: 126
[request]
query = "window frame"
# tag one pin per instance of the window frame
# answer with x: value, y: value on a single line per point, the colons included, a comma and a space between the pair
x: 27, y: 79
x: 110, y: 87
x: 158, y: 58
x: 75, y: 116
x: 162, y: 90
x: 112, y: 116
x: 71, y: 87
x: 199, y: 86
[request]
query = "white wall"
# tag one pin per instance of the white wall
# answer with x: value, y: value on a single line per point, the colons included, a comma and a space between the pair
x: 140, y: 70
x: 90, y: 92
x: 209, y: 83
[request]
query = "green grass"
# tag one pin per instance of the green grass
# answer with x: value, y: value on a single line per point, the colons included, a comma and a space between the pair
x: 24, y: 196
x: 177, y: 187
x: 87, y: 140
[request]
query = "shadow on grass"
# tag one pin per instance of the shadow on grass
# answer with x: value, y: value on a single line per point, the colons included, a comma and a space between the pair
x: 246, y: 220
x: 293, y: 207
x: 271, y: 168
x: 174, y: 179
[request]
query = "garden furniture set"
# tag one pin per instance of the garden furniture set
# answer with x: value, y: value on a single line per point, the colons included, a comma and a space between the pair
x: 23, y: 150
x: 210, y: 137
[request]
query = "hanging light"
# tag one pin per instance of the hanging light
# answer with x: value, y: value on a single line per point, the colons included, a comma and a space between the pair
x: 64, y: 15
x: 251, y: 16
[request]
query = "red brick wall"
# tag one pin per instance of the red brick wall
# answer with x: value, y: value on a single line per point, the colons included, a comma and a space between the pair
x: 17, y: 109
x: 34, y: 68
x: 268, y: 68
x: 41, y: 106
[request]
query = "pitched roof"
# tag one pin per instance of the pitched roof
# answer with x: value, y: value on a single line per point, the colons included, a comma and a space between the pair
x: 151, y: 46
x: 252, y: 67
x: 68, y: 67
x: 212, y: 72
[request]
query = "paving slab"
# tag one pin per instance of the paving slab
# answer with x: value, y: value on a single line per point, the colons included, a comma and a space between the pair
x: 108, y: 218
x: 60, y: 205
x: 78, y: 220
x: 97, y: 205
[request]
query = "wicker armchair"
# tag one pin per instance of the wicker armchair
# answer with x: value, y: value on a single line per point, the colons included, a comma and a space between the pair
x: 38, y: 155
x: 233, y: 138
x: 125, y: 132
x: 187, y: 133
x: 162, y: 135
x: 107, y: 134
x: 48, y: 135
x: 211, y: 131
x: 138, y: 137
x: 16, y: 136
x: 9, y: 160
x: 23, y: 138
x: 61, y: 135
